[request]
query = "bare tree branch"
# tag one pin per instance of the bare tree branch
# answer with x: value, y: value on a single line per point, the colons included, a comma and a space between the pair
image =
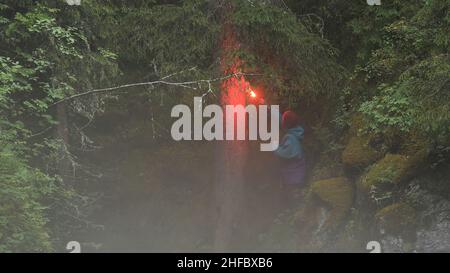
x: 186, y: 84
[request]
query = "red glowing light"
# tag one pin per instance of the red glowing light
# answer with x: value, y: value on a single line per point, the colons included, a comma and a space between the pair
x: 252, y: 94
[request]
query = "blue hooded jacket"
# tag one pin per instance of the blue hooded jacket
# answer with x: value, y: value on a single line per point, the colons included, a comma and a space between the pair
x: 290, y: 147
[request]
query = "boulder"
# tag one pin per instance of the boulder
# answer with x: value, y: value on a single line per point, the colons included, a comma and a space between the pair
x: 396, y: 219
x: 337, y: 193
x: 358, y: 153
x: 389, y: 171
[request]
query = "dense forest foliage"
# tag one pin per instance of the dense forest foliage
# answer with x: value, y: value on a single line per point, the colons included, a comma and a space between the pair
x: 372, y: 84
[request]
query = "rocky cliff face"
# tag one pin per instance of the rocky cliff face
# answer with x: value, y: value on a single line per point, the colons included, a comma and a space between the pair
x: 377, y: 189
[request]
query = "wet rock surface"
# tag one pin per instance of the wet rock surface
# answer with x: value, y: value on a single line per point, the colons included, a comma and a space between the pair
x: 433, y: 235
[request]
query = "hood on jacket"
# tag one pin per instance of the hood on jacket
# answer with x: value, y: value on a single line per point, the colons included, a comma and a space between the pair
x: 297, y: 132
x: 290, y: 146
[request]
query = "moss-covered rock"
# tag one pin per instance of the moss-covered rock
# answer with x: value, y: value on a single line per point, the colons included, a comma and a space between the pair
x: 338, y: 194
x: 356, y: 124
x: 391, y: 170
x: 358, y: 153
x: 415, y: 146
x: 396, y: 219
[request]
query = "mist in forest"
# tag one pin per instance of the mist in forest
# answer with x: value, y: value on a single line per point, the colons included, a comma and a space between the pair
x: 224, y: 126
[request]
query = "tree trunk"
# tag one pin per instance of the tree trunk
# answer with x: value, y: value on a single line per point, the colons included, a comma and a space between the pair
x: 232, y: 155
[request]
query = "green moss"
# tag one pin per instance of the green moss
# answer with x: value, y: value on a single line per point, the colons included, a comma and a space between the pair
x: 357, y: 124
x: 358, y: 153
x: 392, y: 169
x: 415, y: 146
x: 338, y: 194
x: 396, y: 219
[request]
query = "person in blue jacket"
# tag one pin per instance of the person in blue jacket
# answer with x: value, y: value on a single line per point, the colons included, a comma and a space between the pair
x: 291, y: 153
